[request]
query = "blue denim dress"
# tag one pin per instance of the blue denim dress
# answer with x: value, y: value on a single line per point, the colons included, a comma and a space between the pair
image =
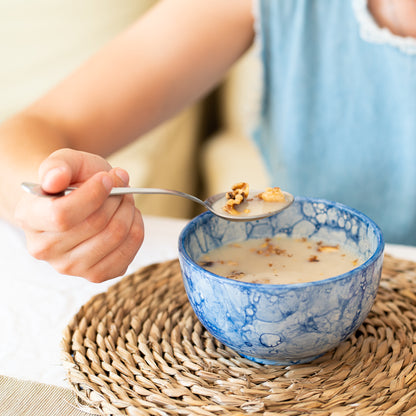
x: 338, y: 116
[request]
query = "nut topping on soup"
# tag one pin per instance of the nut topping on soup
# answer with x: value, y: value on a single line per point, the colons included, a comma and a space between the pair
x: 239, y: 200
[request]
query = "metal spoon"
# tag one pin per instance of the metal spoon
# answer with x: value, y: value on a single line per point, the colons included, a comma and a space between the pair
x: 213, y: 203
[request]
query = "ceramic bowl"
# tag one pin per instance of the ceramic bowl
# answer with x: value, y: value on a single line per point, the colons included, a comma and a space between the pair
x: 290, y: 323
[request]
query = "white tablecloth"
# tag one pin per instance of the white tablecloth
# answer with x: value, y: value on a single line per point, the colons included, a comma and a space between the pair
x: 36, y: 303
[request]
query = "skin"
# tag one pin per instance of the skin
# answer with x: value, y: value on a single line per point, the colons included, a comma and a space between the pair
x: 104, y: 105
x: 399, y: 16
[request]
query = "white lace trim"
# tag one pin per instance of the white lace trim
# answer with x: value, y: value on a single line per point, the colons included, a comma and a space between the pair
x: 371, y: 32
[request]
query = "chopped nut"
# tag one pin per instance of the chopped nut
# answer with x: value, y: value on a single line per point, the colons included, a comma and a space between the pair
x: 267, y: 249
x: 235, y: 274
x: 328, y: 248
x: 239, y: 192
x: 206, y: 263
x: 272, y: 195
x: 313, y: 259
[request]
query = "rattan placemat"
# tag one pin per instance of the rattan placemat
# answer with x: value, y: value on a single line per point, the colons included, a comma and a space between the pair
x: 138, y: 349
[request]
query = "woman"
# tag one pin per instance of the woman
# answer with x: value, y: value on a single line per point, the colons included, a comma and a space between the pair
x: 337, y: 119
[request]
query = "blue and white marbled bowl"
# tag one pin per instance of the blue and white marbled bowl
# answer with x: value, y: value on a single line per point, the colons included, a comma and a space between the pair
x: 284, y: 324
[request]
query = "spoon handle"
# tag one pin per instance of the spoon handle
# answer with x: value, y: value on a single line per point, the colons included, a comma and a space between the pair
x: 159, y: 191
x: 36, y: 189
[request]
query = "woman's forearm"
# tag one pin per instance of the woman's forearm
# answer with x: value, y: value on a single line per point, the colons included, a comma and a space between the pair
x: 168, y: 59
x: 25, y: 141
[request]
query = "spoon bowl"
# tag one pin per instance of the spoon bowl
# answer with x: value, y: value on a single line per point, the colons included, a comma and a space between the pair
x: 250, y: 210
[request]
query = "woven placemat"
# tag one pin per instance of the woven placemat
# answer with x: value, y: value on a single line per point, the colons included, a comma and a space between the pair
x: 138, y: 349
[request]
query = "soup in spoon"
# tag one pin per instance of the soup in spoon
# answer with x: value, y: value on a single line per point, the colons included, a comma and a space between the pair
x: 240, y: 201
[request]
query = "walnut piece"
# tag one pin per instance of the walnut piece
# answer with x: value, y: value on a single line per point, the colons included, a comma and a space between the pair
x: 239, y: 192
x: 328, y: 248
x: 272, y: 195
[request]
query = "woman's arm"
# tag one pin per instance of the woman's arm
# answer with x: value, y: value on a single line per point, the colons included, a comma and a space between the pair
x: 169, y: 58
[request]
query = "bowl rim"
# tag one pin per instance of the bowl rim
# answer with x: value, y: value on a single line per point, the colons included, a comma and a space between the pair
x: 372, y: 259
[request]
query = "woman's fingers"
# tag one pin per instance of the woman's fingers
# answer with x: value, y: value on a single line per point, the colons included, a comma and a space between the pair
x: 45, y: 245
x: 116, y: 262
x: 65, y: 167
x: 63, y: 213
x: 50, y: 244
x: 85, y: 233
x: 107, y: 254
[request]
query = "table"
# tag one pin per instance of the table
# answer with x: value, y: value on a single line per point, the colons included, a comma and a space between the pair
x: 36, y: 303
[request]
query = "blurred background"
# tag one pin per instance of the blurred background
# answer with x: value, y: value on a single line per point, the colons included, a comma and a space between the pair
x: 203, y: 150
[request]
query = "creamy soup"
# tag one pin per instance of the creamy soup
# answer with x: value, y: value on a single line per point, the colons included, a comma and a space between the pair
x: 279, y: 260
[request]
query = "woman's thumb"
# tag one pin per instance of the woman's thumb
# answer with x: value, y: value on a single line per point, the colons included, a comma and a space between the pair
x: 55, y: 176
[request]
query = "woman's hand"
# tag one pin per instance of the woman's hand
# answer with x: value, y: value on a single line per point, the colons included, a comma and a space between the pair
x: 86, y: 233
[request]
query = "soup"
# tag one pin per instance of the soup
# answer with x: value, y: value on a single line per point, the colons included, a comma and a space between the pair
x: 279, y: 260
